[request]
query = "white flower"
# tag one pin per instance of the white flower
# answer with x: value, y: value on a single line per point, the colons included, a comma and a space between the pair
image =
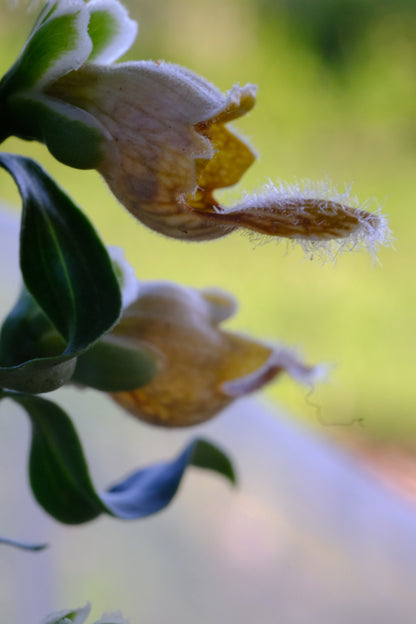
x: 69, y: 616
x: 80, y: 615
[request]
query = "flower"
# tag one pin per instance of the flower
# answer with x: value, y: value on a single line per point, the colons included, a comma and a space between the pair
x: 158, y: 134
x: 201, y: 367
x: 76, y: 616
x: 173, y: 147
x: 79, y: 616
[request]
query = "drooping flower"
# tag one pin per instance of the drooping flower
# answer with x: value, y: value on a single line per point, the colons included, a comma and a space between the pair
x: 158, y: 134
x: 201, y: 367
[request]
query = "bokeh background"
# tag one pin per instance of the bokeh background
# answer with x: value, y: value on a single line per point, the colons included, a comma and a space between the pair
x: 336, y: 100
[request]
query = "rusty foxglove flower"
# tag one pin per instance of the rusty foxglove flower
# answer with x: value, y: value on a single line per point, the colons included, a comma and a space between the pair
x: 201, y: 367
x: 159, y: 135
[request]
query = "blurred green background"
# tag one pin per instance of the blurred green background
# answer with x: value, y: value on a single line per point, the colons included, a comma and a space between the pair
x: 336, y: 100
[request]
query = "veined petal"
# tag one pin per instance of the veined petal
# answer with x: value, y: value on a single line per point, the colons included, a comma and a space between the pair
x: 168, y: 125
x: 58, y: 44
x: 111, y: 30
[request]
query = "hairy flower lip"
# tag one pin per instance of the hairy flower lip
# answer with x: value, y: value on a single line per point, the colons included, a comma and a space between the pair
x: 312, y: 221
x: 322, y: 220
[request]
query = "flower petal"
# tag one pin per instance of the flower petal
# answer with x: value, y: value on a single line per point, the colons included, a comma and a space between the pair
x: 111, y: 30
x: 221, y: 304
x: 59, y: 43
x: 279, y: 360
x: 231, y: 159
x: 112, y: 618
x: 69, y: 616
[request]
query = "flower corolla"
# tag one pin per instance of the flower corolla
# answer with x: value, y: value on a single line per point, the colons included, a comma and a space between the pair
x: 158, y: 134
x: 201, y: 367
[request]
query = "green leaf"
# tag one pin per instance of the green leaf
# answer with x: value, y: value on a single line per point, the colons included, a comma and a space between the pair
x: 57, y: 469
x: 149, y: 490
x: 38, y: 376
x: 62, y: 485
x: 64, y: 265
x: 112, y: 368
x: 22, y: 545
x: 74, y: 294
x: 205, y: 455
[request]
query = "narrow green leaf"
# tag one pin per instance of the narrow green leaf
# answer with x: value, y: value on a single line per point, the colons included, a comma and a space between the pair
x: 62, y: 485
x: 22, y: 545
x: 57, y: 468
x: 38, y: 376
x: 151, y: 489
x: 64, y: 264
x: 207, y: 455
